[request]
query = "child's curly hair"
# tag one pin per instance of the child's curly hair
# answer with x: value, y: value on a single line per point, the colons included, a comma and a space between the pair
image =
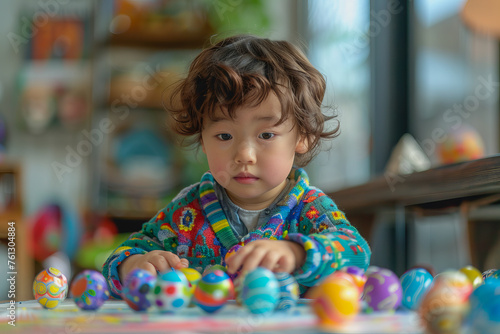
x: 244, y: 69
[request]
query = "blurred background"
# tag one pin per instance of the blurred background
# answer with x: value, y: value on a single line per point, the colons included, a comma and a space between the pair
x: 85, y: 153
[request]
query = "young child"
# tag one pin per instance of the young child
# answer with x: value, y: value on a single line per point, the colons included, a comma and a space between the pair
x: 254, y: 106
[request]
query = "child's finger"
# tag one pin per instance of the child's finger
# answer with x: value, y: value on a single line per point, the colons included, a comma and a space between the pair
x: 253, y: 260
x: 183, y: 263
x: 160, y: 263
x: 235, y: 261
x: 148, y: 267
x: 173, y: 260
x: 270, y: 261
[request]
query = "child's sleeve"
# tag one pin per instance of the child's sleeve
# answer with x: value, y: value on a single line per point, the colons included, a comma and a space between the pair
x: 329, y: 240
x: 151, y: 237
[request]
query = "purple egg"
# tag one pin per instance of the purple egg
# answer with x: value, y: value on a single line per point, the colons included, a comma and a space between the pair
x: 136, y: 287
x: 89, y: 290
x: 382, y: 291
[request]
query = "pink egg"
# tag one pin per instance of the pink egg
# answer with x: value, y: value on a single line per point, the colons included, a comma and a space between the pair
x: 382, y: 290
x: 445, y: 305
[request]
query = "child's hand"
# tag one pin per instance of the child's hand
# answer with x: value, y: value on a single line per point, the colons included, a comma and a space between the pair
x: 275, y: 255
x: 153, y: 261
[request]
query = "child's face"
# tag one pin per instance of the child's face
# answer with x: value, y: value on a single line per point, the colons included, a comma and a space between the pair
x: 251, y: 156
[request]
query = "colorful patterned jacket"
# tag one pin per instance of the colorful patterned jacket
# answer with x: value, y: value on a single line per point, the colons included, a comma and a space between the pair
x: 195, y: 227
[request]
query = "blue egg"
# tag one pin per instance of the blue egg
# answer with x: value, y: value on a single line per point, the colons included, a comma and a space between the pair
x: 484, y: 316
x: 493, y: 277
x: 288, y: 291
x: 415, y: 284
x: 488, y: 273
x: 260, y: 292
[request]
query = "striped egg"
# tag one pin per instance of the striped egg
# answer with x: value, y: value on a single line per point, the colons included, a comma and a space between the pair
x: 288, y: 291
x: 171, y: 292
x: 50, y: 287
x: 213, y: 291
x: 260, y: 291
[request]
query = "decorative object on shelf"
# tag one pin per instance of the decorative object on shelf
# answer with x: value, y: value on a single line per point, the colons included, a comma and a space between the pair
x: 462, y: 144
x: 407, y: 157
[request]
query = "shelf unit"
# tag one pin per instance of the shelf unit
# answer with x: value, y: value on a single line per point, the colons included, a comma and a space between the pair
x: 12, y: 211
x: 138, y: 56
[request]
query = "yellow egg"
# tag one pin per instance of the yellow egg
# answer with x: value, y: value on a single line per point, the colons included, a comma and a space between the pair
x: 336, y: 301
x: 473, y: 275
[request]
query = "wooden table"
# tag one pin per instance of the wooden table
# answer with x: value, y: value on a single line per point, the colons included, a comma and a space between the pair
x: 463, y: 186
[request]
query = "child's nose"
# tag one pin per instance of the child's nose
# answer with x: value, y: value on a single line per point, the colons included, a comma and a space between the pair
x: 245, y: 154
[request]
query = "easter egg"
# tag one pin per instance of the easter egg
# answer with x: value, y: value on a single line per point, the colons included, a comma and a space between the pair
x: 415, y: 284
x: 462, y: 144
x: 213, y: 291
x: 230, y: 253
x: 444, y: 306
x: 50, y: 287
x: 136, y: 287
x: 193, y: 276
x: 288, y: 291
x: 382, y: 291
x: 473, y: 274
x: 358, y: 276
x: 484, y: 316
x: 171, y: 292
x: 488, y: 273
x: 335, y: 301
x: 213, y: 268
x: 495, y: 276
x: 430, y: 269
x: 260, y: 291
x: 89, y: 290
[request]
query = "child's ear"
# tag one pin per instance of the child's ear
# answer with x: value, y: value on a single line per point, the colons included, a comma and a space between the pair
x: 202, y: 146
x: 302, y: 145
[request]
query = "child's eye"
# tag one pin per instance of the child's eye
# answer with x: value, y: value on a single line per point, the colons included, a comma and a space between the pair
x: 224, y: 136
x: 266, y: 135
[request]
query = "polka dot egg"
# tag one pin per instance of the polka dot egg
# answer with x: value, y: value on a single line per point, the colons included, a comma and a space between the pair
x: 382, y: 291
x: 288, y: 291
x: 171, y: 292
x: 213, y: 291
x: 50, y: 287
x: 136, y: 287
x: 89, y: 290
x: 260, y: 291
